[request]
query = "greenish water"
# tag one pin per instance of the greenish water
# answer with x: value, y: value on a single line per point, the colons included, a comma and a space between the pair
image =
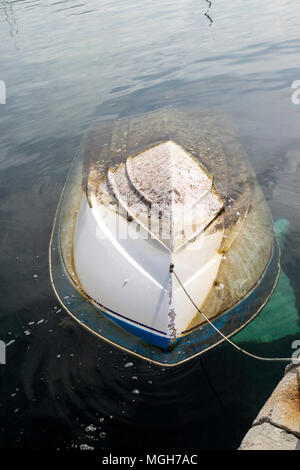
x: 65, y: 64
x: 280, y: 316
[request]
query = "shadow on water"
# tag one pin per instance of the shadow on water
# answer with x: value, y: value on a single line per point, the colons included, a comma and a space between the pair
x: 70, y: 389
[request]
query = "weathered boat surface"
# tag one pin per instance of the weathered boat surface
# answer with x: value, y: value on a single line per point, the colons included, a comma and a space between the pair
x: 249, y: 266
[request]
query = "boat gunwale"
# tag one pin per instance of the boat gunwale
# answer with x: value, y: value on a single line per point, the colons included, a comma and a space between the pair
x: 94, y: 304
x: 153, y: 361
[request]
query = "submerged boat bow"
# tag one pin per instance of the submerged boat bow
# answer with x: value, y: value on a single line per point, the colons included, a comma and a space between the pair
x: 168, y: 188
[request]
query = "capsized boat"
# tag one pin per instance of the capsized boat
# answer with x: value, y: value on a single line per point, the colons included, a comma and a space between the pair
x: 147, y: 194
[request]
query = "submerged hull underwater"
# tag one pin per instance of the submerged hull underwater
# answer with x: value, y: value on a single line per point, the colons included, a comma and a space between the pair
x: 237, y: 281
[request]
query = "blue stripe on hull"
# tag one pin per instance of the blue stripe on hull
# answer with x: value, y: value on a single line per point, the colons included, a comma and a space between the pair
x: 148, y: 336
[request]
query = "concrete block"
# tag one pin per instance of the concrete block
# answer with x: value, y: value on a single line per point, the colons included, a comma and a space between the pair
x: 267, y: 437
x: 283, y: 407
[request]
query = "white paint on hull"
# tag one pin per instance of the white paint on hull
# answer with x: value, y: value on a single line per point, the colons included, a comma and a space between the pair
x: 130, y: 276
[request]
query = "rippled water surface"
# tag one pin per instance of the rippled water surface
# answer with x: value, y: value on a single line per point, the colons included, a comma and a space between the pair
x: 66, y: 63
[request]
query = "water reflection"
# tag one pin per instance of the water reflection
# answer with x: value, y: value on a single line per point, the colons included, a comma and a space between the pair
x: 207, y: 13
x: 7, y: 10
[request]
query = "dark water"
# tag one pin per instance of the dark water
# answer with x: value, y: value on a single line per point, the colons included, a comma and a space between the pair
x: 66, y: 63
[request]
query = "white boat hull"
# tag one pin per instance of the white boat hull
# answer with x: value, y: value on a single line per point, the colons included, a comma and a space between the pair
x: 129, y: 275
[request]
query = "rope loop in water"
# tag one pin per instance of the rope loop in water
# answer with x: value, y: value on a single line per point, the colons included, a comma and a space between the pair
x: 241, y: 350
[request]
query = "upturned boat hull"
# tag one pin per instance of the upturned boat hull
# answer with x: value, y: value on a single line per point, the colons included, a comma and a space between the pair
x: 108, y: 287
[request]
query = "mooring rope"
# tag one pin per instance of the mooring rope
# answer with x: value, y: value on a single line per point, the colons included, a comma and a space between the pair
x: 254, y: 356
